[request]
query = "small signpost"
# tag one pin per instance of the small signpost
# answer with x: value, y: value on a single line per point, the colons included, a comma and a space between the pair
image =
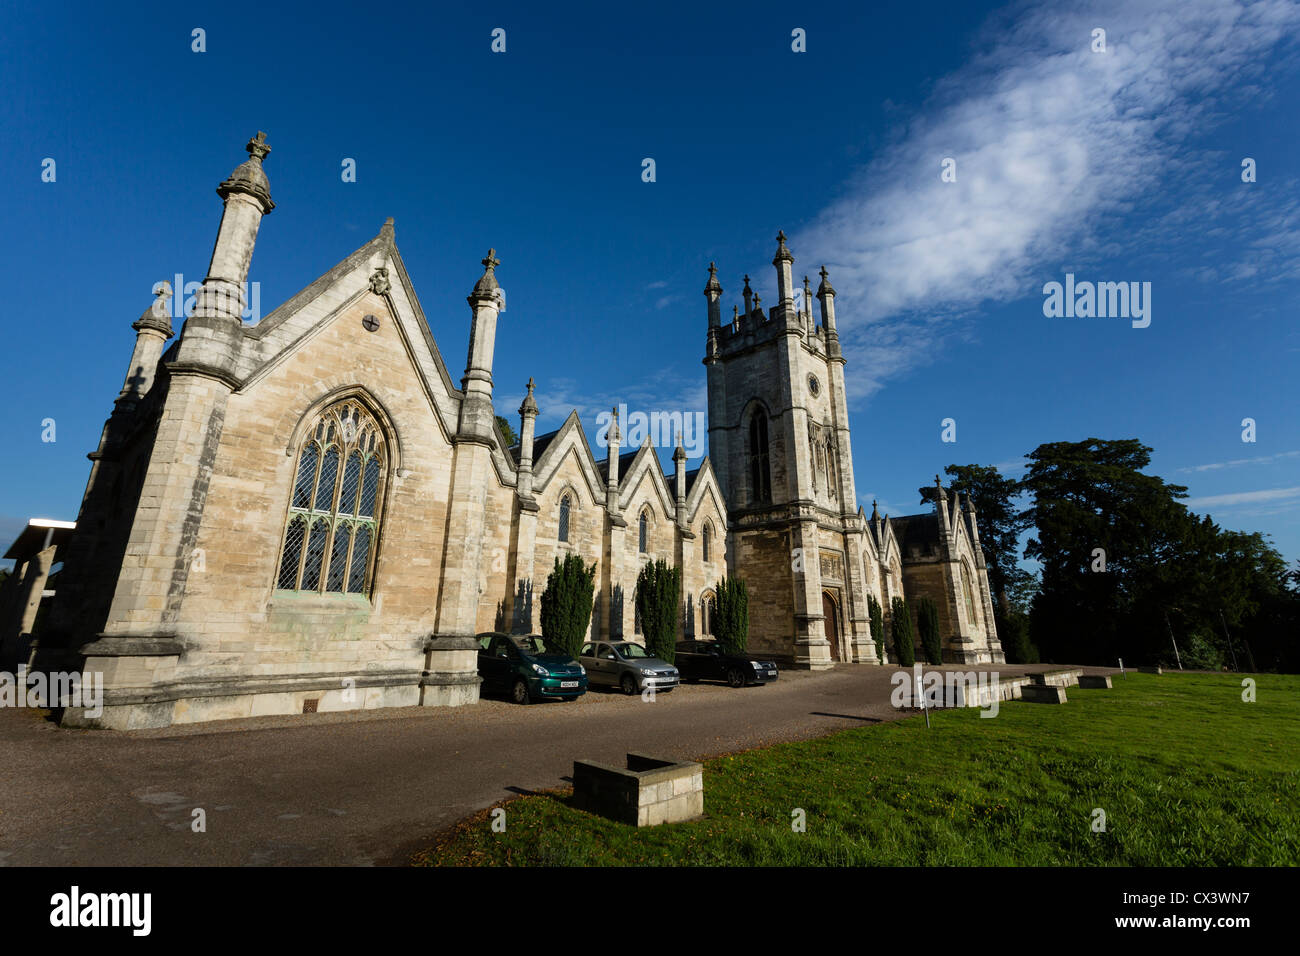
x: 921, y: 694
x: 1121, y: 668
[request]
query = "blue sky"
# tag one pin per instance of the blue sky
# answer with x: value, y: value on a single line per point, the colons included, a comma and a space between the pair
x: 1123, y: 165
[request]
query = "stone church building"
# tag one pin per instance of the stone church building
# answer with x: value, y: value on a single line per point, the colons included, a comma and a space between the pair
x: 309, y: 512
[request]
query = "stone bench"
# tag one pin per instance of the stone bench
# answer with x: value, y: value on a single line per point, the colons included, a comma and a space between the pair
x: 1095, y: 681
x: 1058, y: 678
x: 649, y: 792
x: 1043, y: 693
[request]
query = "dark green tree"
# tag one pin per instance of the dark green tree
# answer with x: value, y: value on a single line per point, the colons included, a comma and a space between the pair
x: 900, y: 627
x: 566, y: 605
x: 507, y: 432
x: 658, y: 596
x: 927, y: 621
x: 1123, y: 561
x: 877, y: 625
x: 731, y: 615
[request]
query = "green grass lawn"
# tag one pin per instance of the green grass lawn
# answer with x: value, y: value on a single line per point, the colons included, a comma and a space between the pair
x: 1187, y: 773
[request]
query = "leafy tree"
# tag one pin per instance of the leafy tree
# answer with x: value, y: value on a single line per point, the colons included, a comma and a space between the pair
x: 731, y: 615
x: 566, y: 605
x: 877, y: 626
x: 900, y: 626
x: 658, y: 595
x: 506, y: 431
x: 1094, y: 507
x: 927, y: 621
x: 1263, y: 631
x: 1167, y: 572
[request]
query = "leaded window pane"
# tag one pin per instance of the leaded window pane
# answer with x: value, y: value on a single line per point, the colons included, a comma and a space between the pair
x: 291, y: 554
x: 320, y: 532
x: 360, y: 558
x: 339, y: 558
x: 306, y: 476
x: 370, y: 488
x: 337, y: 480
x: 564, y: 518
x: 642, y: 538
x: 351, y: 479
x: 329, y: 470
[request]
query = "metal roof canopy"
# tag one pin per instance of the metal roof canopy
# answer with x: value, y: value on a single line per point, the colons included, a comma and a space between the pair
x: 39, y: 534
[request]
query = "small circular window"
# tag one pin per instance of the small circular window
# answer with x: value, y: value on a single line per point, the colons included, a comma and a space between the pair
x: 814, y: 386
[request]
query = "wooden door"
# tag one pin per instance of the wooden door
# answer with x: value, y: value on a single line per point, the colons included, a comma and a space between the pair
x: 831, y: 621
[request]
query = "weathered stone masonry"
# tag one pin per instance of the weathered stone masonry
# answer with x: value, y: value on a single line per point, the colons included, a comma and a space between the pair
x: 239, y: 552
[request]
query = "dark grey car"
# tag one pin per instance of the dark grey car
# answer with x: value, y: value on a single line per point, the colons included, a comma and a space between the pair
x: 628, y: 666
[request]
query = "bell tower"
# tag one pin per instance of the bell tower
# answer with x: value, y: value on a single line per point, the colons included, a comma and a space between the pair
x: 779, y: 443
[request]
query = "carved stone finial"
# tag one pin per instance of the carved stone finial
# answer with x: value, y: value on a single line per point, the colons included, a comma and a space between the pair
x: 782, y: 253
x: 487, y: 283
x: 529, y: 406
x: 257, y: 147
x: 713, y: 286
x: 825, y: 288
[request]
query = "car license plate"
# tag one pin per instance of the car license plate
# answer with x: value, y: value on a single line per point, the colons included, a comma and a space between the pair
x: 568, y: 683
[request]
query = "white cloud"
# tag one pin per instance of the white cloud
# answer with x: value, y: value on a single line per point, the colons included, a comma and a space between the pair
x: 1242, y: 498
x: 1236, y: 462
x: 1055, y: 146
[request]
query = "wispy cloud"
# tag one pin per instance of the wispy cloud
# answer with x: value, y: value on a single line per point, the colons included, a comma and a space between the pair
x: 1237, y: 462
x: 1242, y: 498
x: 1055, y: 146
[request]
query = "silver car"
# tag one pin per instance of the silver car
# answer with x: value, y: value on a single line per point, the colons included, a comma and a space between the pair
x: 627, y: 665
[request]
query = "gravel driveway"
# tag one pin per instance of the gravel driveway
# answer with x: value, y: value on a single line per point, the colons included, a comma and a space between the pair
x: 371, y: 787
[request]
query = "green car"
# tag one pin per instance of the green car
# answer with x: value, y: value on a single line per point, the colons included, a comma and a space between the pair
x: 520, y: 666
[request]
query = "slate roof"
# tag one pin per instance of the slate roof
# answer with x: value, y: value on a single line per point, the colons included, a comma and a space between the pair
x: 916, y: 533
x: 540, y: 443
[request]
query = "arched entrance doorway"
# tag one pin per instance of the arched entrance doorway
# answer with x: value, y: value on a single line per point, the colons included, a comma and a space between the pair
x: 831, y: 621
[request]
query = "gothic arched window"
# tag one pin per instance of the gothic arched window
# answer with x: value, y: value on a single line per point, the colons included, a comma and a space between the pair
x: 565, y: 505
x: 970, y: 594
x: 643, y: 534
x: 760, y: 483
x: 333, y: 521
x: 708, y: 608
x: 706, y: 542
x: 830, y: 468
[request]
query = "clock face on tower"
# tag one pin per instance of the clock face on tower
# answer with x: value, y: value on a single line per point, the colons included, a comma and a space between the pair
x: 814, y: 386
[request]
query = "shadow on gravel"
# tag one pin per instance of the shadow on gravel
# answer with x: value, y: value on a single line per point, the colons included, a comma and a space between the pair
x: 865, y: 720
